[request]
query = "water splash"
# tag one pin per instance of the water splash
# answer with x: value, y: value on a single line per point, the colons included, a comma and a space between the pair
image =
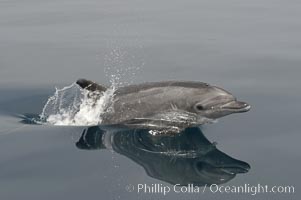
x: 121, y: 66
x: 73, y: 105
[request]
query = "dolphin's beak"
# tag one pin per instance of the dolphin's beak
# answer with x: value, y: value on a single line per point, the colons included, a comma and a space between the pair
x: 237, y: 168
x: 236, y: 106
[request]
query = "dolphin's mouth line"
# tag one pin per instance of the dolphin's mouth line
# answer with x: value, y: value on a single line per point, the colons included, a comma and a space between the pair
x: 236, y: 106
x: 220, y: 173
x: 246, y: 108
x: 233, y: 170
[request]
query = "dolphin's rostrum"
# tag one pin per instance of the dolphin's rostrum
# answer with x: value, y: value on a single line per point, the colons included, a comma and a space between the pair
x: 178, y: 104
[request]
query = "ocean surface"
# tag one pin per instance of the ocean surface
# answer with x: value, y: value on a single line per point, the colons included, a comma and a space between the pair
x: 252, y: 49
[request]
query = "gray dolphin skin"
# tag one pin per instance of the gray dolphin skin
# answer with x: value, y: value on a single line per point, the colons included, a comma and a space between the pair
x: 182, y: 159
x: 170, y: 103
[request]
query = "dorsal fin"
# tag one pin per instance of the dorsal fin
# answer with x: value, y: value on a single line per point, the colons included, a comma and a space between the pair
x: 90, y: 85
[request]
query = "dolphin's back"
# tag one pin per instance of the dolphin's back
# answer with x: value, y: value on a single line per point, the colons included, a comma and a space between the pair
x: 150, y: 85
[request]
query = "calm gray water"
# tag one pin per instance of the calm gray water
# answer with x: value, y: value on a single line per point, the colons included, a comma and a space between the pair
x: 252, y: 49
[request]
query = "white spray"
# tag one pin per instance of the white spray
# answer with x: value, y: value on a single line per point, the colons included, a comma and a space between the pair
x: 73, y: 105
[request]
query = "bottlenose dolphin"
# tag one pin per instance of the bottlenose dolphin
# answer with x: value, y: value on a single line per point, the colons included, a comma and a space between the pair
x: 185, y: 158
x: 178, y: 104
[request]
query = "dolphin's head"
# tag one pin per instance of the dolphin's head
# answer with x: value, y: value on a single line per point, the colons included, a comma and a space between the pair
x: 218, y: 168
x: 213, y: 102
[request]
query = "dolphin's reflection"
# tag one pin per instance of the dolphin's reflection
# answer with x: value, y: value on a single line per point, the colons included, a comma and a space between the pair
x: 185, y: 158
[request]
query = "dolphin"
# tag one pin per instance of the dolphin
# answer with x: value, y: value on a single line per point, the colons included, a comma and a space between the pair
x: 177, y: 104
x: 186, y: 158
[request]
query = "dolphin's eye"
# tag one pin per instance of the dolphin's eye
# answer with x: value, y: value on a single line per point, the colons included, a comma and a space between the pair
x: 200, y: 107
